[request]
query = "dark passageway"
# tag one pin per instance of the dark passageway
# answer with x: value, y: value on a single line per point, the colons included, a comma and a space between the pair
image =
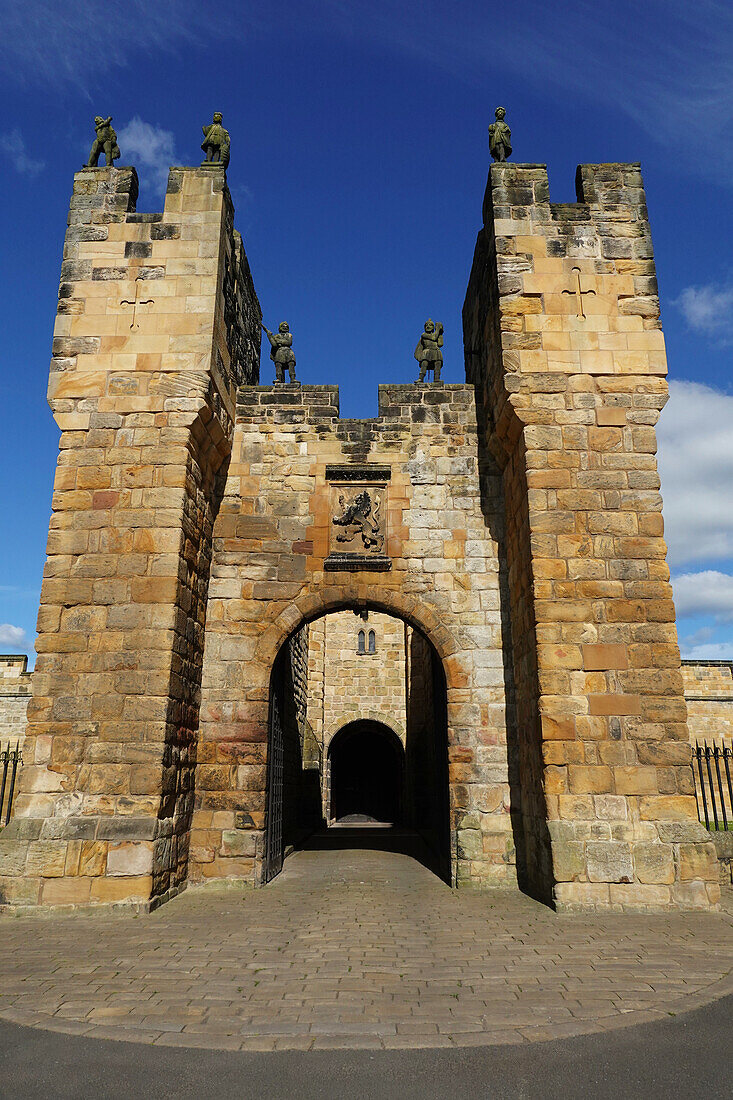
x: 367, y: 773
x: 367, y: 785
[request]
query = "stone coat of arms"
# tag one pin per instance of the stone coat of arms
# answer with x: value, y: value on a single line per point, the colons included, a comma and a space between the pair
x: 360, y: 523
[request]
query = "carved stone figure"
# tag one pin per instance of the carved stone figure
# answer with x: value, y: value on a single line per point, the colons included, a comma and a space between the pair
x: 358, y: 519
x: 216, y: 142
x: 105, y: 142
x: 428, y: 353
x: 281, y: 353
x: 500, y: 136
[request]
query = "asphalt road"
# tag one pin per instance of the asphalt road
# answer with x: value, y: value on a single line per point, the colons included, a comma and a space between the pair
x: 685, y: 1056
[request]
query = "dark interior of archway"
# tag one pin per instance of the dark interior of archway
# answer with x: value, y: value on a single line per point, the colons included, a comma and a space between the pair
x: 408, y: 788
x: 367, y: 774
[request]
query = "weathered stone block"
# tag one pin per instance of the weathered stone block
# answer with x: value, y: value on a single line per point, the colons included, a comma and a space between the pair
x: 697, y: 861
x: 609, y: 861
x: 130, y: 858
x: 654, y: 863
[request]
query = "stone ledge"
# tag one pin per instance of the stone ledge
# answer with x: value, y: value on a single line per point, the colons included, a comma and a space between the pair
x: 355, y: 563
x: 357, y: 472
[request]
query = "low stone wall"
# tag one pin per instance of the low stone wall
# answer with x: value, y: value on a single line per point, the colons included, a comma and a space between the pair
x: 709, y: 695
x: 724, y: 847
x: 15, y: 691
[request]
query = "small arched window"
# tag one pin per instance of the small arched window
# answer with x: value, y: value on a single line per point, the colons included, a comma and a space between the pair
x: 372, y: 642
x: 360, y: 642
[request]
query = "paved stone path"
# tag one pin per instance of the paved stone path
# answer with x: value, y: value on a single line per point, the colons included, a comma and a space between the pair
x: 356, y: 949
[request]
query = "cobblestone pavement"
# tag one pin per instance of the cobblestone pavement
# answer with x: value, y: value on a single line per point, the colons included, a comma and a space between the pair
x: 360, y: 948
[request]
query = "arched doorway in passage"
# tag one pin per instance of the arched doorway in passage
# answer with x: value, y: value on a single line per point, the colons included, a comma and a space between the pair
x: 366, y: 769
x: 357, y: 732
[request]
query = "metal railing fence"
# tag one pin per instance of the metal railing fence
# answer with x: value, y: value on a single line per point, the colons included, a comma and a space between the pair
x: 10, y: 761
x: 712, y: 765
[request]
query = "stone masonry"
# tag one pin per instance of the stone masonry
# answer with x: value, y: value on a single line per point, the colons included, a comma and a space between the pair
x: 346, y: 685
x: 356, y: 685
x: 202, y: 524
x: 15, y: 691
x: 272, y: 540
x: 709, y: 696
x: 157, y: 326
x: 564, y: 345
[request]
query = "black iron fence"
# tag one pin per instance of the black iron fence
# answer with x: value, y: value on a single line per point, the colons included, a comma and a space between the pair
x: 712, y: 765
x: 10, y: 761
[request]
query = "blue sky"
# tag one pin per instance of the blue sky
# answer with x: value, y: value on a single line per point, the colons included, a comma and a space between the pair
x: 359, y: 159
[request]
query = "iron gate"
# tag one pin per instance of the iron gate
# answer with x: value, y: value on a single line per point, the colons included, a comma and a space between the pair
x: 274, y: 811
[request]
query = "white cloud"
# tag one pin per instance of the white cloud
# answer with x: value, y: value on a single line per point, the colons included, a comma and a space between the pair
x: 696, y: 466
x: 13, y: 146
x: 716, y: 651
x: 708, y: 310
x: 709, y: 593
x: 150, y: 148
x: 14, y: 637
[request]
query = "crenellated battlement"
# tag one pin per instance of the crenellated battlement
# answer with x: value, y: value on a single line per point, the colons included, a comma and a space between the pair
x: 601, y: 190
x: 152, y: 307
x: 293, y: 403
x: 571, y: 288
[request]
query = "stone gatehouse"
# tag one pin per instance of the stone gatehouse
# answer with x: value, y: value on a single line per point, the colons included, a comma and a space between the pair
x: 212, y: 536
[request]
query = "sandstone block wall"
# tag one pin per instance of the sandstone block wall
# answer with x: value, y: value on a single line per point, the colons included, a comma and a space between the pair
x: 271, y: 540
x: 428, y: 789
x: 15, y: 690
x: 709, y: 696
x: 157, y: 326
x: 356, y: 685
x: 345, y: 685
x: 564, y: 345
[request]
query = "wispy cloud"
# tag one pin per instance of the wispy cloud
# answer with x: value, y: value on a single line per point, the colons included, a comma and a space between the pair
x: 12, y: 637
x: 708, y: 310
x: 696, y: 466
x: 13, y: 145
x: 668, y: 65
x: 73, y: 43
x: 150, y: 148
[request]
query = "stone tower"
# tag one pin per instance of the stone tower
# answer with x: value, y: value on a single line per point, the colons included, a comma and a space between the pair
x: 564, y: 345
x: 201, y: 522
x: 157, y: 326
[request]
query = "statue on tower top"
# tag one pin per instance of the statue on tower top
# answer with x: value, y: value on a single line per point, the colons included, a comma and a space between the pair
x: 500, y: 136
x: 428, y: 353
x: 281, y: 353
x: 216, y: 142
x: 105, y: 142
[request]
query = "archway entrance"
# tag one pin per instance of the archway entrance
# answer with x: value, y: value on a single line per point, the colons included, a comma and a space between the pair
x: 366, y: 763
x: 358, y: 735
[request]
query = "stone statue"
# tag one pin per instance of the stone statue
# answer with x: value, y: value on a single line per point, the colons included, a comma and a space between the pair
x: 282, y: 354
x: 105, y: 142
x: 428, y: 353
x: 216, y: 142
x: 500, y: 137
